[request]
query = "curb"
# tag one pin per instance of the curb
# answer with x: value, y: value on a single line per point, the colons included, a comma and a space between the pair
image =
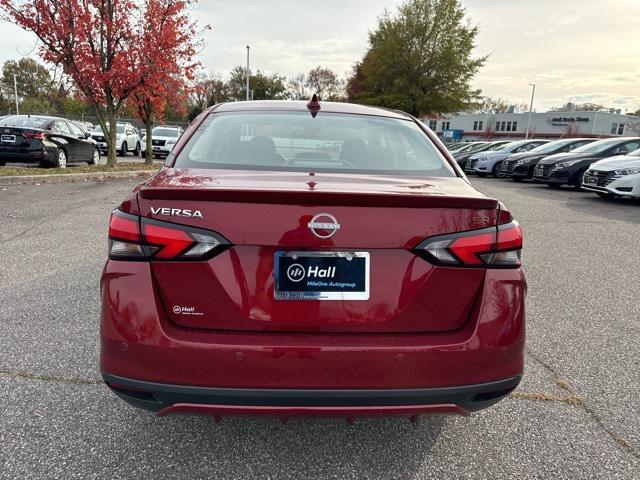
x: 75, y: 177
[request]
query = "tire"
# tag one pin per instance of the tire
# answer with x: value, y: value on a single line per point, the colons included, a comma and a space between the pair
x: 137, y: 152
x: 495, y: 172
x: 554, y: 186
x: 578, y: 184
x: 124, y: 149
x: 61, y: 159
x: 95, y: 158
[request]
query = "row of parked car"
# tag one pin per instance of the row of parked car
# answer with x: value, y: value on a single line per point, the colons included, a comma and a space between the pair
x: 56, y: 142
x: 609, y: 167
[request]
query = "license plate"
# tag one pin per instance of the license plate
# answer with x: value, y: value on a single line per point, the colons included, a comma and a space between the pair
x: 321, y: 275
x: 8, y: 138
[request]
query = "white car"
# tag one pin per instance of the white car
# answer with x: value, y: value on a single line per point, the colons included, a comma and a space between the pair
x: 615, y: 176
x: 163, y: 140
x: 127, y: 139
x: 489, y: 162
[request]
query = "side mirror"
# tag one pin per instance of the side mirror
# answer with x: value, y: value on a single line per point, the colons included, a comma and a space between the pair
x: 87, y: 134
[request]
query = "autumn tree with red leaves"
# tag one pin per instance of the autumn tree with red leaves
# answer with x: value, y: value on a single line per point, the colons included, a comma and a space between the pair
x: 168, y: 45
x: 100, y: 44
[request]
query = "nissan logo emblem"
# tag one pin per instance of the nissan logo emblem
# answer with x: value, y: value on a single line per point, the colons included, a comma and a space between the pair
x: 324, y: 225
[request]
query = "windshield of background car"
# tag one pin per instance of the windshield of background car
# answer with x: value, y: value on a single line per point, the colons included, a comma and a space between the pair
x: 119, y: 129
x: 165, y: 132
x: 331, y: 142
x: 635, y: 153
x: 500, y: 147
x: 597, y: 147
x: 25, y: 121
x: 551, y: 146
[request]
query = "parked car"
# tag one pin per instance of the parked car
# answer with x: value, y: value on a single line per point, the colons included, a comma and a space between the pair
x: 520, y: 166
x: 463, y: 157
x: 488, y: 163
x: 127, y: 139
x: 615, y: 176
x: 163, y: 139
x: 463, y: 147
x: 255, y: 276
x: 47, y: 141
x: 569, y: 168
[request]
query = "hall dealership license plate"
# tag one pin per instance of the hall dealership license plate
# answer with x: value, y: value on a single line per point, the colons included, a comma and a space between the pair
x: 321, y: 275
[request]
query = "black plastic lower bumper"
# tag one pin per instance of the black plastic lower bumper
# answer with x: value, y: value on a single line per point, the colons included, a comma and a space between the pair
x: 155, y: 396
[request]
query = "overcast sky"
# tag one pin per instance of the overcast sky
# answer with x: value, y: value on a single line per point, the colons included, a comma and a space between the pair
x: 574, y: 50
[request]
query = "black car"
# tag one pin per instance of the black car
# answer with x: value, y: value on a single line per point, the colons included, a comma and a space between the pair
x: 462, y: 157
x: 569, y: 168
x: 520, y: 166
x: 47, y: 141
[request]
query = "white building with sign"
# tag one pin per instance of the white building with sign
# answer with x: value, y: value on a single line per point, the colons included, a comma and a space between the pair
x: 543, y: 125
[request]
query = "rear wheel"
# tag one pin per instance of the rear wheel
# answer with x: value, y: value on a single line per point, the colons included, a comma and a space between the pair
x: 124, y: 149
x: 61, y: 159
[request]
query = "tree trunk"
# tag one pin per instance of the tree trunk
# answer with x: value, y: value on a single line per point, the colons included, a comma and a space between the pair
x: 110, y: 136
x: 148, y: 159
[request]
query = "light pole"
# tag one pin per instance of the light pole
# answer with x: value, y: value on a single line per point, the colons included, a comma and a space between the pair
x: 248, y: 73
x: 15, y: 90
x: 533, y: 94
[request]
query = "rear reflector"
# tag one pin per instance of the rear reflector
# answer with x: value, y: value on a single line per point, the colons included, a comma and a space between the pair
x: 136, y: 238
x: 495, y: 247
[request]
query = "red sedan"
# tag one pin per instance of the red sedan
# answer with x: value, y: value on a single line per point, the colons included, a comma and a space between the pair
x: 311, y: 259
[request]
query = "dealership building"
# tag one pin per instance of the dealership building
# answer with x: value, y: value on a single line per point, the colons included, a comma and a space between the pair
x: 464, y: 126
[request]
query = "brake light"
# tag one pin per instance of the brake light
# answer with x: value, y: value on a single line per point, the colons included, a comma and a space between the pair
x: 493, y: 247
x: 135, y: 238
x: 38, y: 135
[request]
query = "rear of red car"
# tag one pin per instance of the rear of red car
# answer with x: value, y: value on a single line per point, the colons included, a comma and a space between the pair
x: 328, y: 264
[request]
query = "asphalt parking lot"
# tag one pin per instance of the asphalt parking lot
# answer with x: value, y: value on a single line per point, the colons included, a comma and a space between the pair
x: 574, y: 416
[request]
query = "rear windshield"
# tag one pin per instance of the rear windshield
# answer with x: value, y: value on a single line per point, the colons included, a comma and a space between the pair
x: 331, y: 142
x: 25, y: 121
x: 165, y: 132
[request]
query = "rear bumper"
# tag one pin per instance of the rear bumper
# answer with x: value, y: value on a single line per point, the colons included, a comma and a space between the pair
x: 138, y: 341
x: 31, y: 156
x: 167, y: 399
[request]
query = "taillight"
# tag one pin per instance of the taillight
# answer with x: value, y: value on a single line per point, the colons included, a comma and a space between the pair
x: 493, y: 247
x: 38, y: 135
x: 135, y: 238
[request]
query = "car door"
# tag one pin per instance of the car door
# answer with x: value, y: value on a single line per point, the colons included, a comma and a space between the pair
x: 132, y: 141
x: 66, y: 139
x: 84, y: 150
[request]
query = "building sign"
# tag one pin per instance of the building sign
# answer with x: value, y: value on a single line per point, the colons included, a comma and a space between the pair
x: 564, y: 121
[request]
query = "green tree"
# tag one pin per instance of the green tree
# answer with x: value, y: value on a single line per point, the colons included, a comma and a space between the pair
x: 34, y: 80
x: 420, y: 60
x: 263, y: 86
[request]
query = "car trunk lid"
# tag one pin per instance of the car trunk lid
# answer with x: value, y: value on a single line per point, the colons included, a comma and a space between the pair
x: 267, y: 214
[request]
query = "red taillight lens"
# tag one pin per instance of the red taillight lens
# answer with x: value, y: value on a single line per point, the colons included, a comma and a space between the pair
x: 489, y: 247
x: 38, y: 135
x: 135, y: 238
